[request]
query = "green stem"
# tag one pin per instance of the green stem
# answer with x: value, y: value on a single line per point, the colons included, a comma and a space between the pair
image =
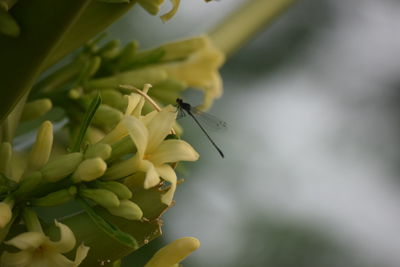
x: 245, y: 22
x: 32, y: 221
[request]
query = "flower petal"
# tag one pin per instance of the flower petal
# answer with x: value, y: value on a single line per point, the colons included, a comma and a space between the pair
x: 81, y: 253
x: 174, y: 252
x: 172, y: 151
x: 146, y: 119
x: 67, y: 239
x: 212, y: 91
x: 168, y: 174
x: 133, y: 100
x: 19, y: 259
x: 152, y: 178
x: 137, y: 132
x: 53, y: 260
x: 115, y: 135
x: 137, y: 112
x: 160, y: 126
x: 27, y: 240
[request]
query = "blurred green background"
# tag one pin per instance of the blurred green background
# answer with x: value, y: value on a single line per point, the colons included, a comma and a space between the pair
x: 311, y: 175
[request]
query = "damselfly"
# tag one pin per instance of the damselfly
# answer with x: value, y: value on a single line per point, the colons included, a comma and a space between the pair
x: 185, y: 108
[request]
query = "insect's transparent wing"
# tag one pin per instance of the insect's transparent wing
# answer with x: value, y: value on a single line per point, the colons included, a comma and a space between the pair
x: 209, y: 121
x: 181, y: 113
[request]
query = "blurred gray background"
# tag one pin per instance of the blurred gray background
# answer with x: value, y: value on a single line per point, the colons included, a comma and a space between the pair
x: 311, y: 174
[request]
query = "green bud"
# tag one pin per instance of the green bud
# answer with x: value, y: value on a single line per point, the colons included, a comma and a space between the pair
x: 128, y: 210
x: 122, y: 147
x: 126, y: 56
x: 134, y: 77
x: 56, y: 198
x: 98, y: 150
x: 168, y: 91
x: 121, y: 190
x: 110, y: 50
x: 61, y: 167
x: 8, y: 25
x: 102, y: 197
x: 113, y: 99
x: 89, y: 170
x: 36, y: 109
x: 75, y: 93
x: 93, y: 66
x: 94, y: 135
x: 6, y: 211
x: 107, y: 117
x: 40, y: 152
x: 5, y: 158
x: 28, y: 184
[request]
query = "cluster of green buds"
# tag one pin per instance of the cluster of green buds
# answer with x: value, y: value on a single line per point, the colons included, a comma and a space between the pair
x: 115, y: 166
x: 138, y: 153
x: 170, y: 68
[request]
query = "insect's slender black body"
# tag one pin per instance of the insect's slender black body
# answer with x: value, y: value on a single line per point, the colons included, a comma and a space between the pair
x: 186, y: 107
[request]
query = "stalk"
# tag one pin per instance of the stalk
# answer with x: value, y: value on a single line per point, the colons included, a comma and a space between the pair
x: 237, y: 28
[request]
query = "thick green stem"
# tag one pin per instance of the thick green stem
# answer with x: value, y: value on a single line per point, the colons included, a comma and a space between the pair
x: 32, y: 221
x: 246, y: 21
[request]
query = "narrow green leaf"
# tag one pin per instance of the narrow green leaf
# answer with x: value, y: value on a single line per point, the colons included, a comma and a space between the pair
x: 94, y: 105
x: 109, y: 228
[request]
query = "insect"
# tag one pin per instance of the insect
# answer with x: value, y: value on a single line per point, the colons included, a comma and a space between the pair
x: 185, y: 108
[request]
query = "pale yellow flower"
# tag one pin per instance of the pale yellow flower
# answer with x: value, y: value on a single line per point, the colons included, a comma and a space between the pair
x: 174, y: 253
x: 134, y: 108
x: 153, y: 152
x: 153, y: 7
x: 37, y: 250
x: 200, y: 70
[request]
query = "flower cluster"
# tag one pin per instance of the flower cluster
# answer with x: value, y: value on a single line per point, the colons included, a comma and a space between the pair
x: 98, y: 173
x: 119, y: 163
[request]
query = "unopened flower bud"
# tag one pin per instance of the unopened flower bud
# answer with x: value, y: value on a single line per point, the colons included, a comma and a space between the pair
x: 110, y: 50
x: 28, y: 184
x: 102, y: 197
x: 89, y: 170
x: 121, y: 190
x: 126, y: 55
x: 61, y: 167
x: 98, y: 150
x: 41, y: 149
x: 75, y: 93
x: 174, y: 252
x: 36, y: 108
x: 56, y: 198
x: 94, y: 135
x: 128, y: 210
x: 113, y: 99
x: 92, y: 67
x: 6, y: 211
x: 107, y: 117
x: 136, y: 78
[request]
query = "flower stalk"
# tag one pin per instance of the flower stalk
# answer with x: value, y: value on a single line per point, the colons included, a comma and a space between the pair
x: 248, y: 19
